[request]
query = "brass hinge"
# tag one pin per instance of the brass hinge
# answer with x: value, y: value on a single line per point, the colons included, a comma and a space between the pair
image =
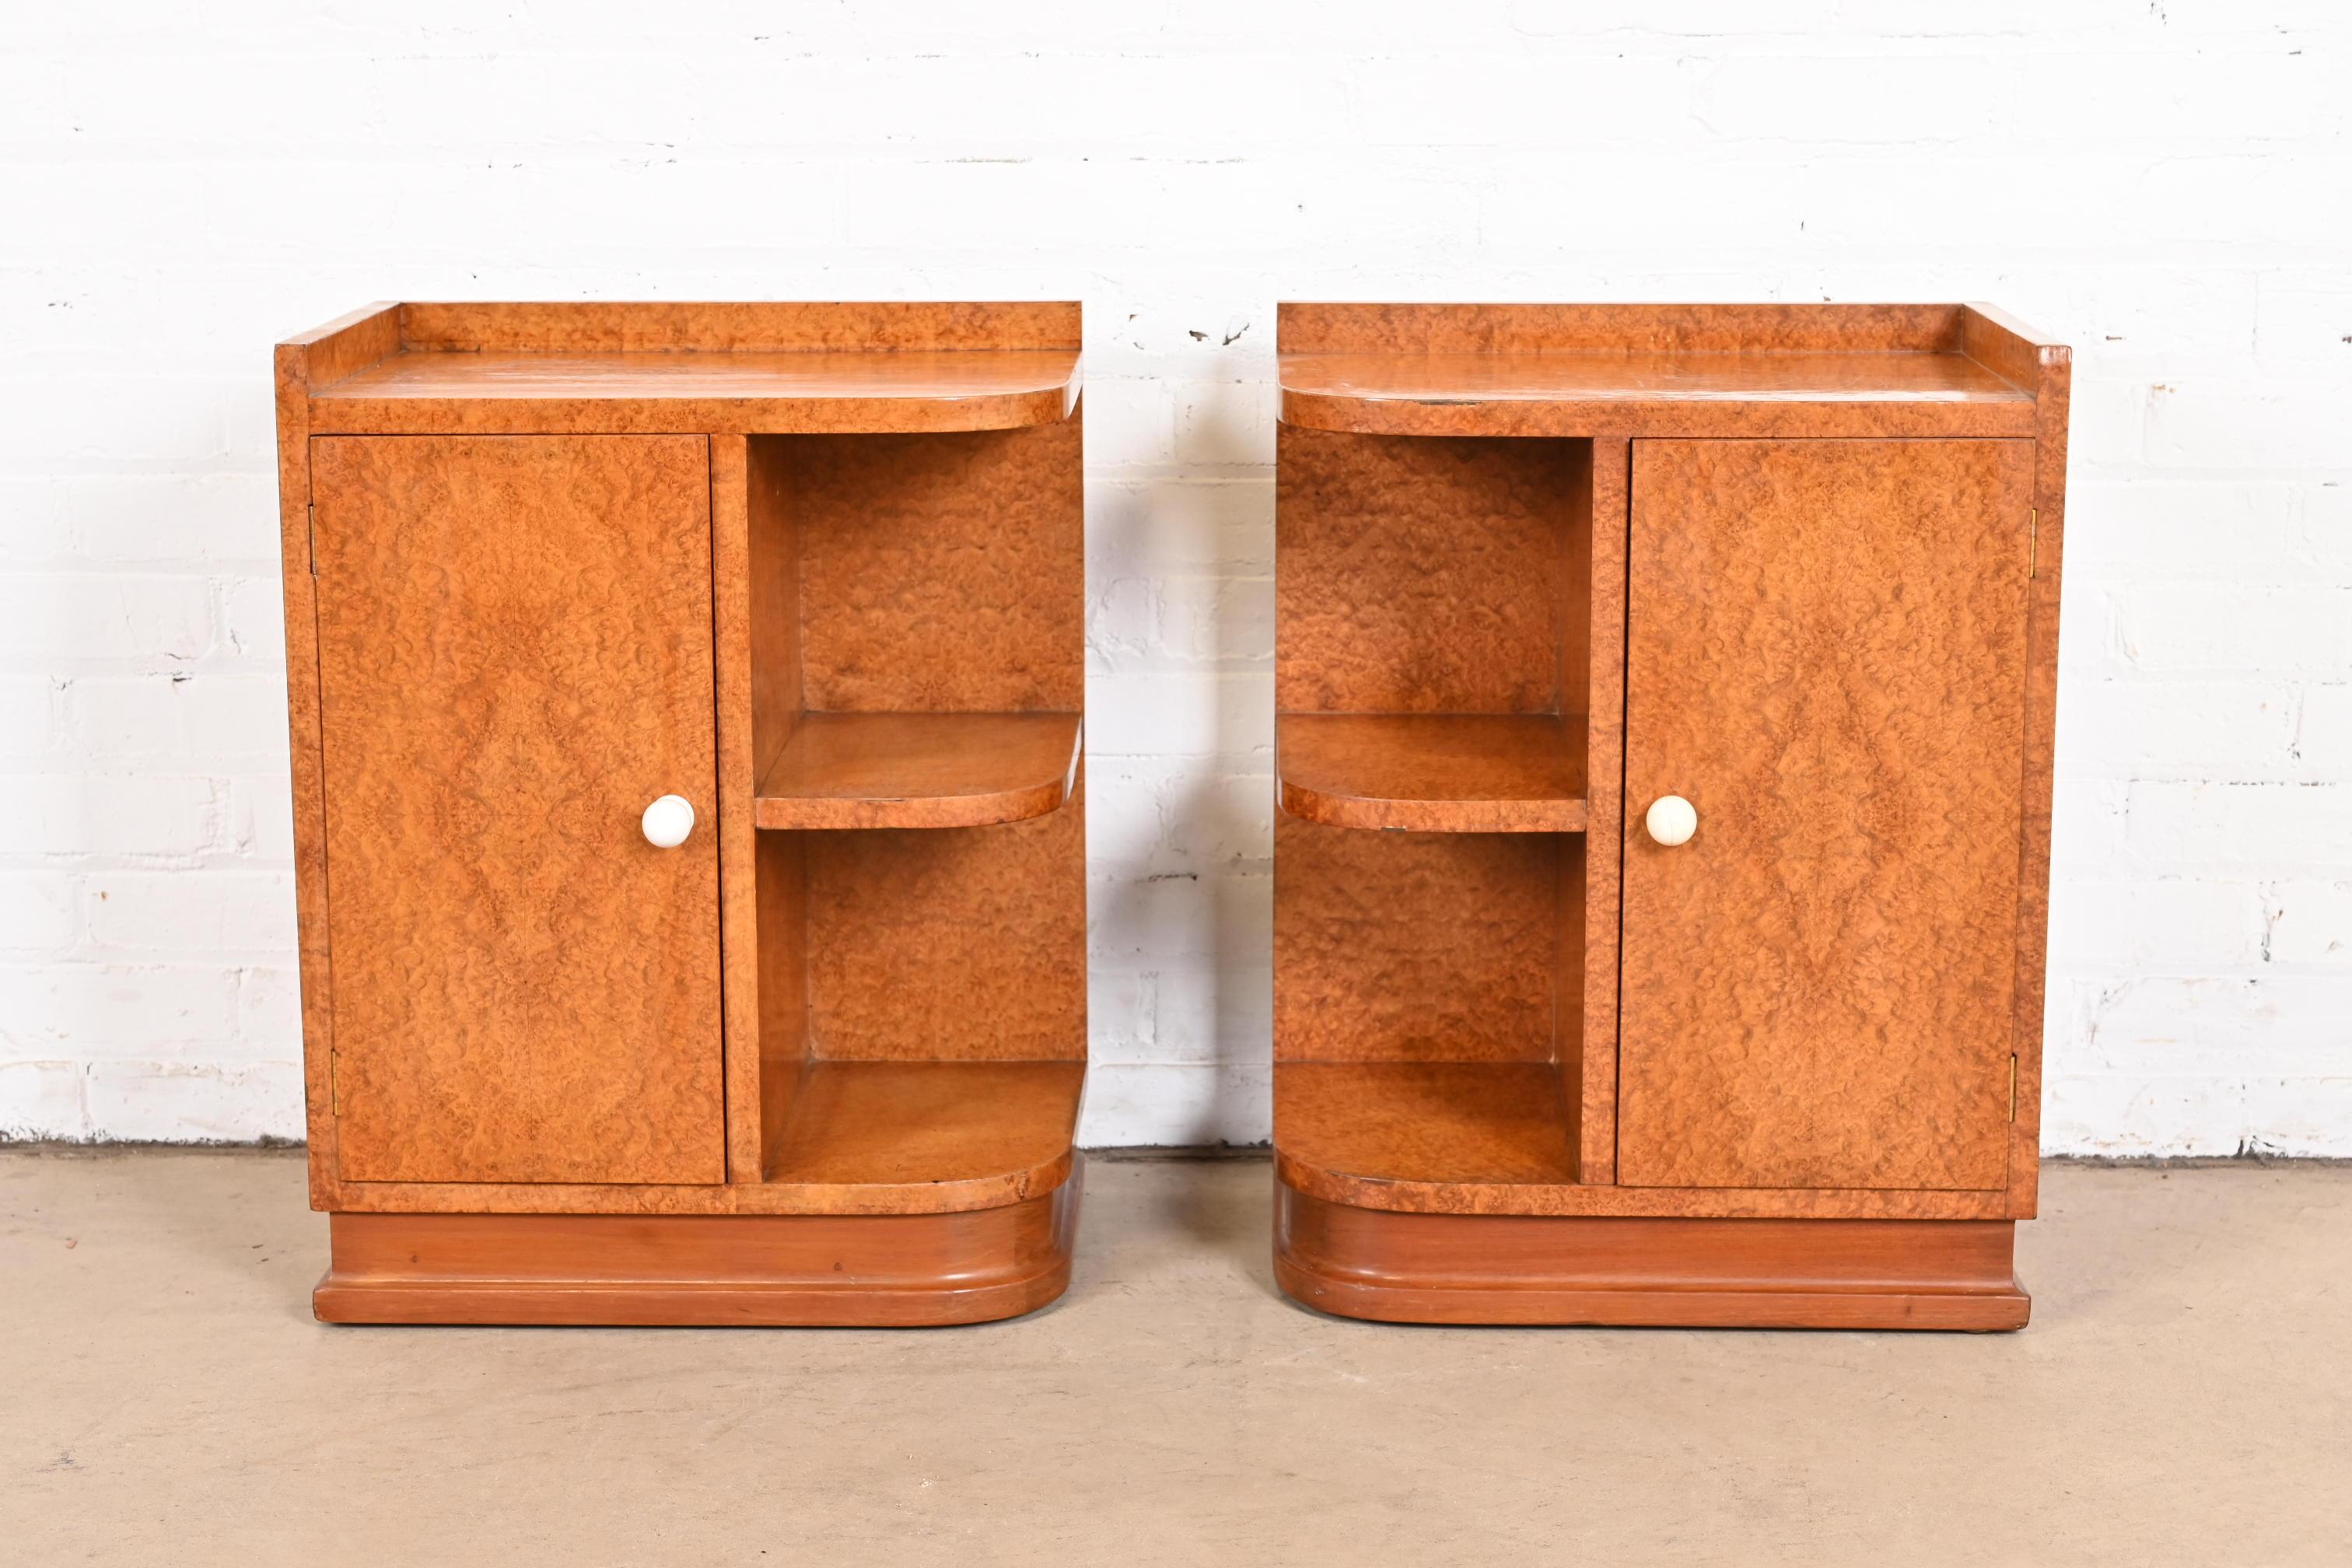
x: 2012, y: 1085
x: 335, y: 1088
x: 313, y: 519
x: 2032, y: 542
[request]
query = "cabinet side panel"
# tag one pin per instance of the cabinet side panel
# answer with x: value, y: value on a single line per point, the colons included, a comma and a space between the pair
x: 2041, y: 744
x: 515, y: 654
x: 1826, y: 656
x: 308, y: 769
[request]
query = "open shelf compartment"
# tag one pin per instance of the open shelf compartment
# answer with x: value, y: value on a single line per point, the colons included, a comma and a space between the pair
x: 916, y: 832
x: 1443, y: 810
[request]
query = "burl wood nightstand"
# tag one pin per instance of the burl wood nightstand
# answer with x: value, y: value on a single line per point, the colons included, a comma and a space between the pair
x: 687, y: 711
x: 1661, y: 874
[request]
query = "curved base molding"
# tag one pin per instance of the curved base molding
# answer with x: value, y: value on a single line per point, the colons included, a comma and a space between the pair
x: 701, y: 1270
x: 1660, y: 1272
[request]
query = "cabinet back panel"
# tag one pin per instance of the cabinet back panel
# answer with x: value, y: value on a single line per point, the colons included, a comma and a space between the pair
x: 1425, y: 575
x: 1415, y: 946
x: 1826, y: 656
x: 515, y: 657
x: 940, y: 573
x: 958, y: 943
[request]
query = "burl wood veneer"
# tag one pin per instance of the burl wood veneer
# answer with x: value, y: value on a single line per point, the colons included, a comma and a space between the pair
x: 815, y: 568
x: 1539, y: 566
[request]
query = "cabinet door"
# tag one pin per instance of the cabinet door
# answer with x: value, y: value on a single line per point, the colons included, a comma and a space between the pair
x: 1825, y: 656
x: 514, y: 660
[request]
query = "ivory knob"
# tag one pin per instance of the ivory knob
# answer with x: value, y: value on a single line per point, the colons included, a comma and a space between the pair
x: 668, y: 820
x: 1671, y: 820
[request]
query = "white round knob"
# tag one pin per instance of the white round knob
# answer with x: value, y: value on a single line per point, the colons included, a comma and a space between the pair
x: 668, y: 820
x: 1671, y: 820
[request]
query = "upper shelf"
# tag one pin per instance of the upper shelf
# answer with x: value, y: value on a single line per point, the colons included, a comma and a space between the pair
x: 1433, y: 773
x: 773, y: 367
x: 919, y: 769
x: 1664, y: 370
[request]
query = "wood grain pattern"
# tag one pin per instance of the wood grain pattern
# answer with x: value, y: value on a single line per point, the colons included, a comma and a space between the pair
x: 768, y: 326
x: 1418, y: 576
x: 1308, y: 326
x: 1825, y: 656
x: 1691, y: 1273
x: 894, y: 1271
x: 1413, y: 946
x: 1684, y: 394
x: 514, y: 643
x: 941, y: 573
x: 909, y: 389
x: 920, y: 769
x: 1517, y: 773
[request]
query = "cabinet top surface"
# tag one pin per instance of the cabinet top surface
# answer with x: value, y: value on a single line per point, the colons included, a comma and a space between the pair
x: 970, y: 389
x: 612, y: 368
x: 1656, y: 370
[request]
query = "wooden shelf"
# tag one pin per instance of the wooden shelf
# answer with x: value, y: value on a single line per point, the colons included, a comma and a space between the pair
x: 900, y: 1137
x: 1340, y: 1124
x: 1891, y: 393
x: 802, y: 393
x: 1439, y: 772
x: 919, y: 769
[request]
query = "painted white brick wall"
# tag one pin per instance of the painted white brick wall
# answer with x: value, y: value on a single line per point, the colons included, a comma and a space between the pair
x: 2163, y: 183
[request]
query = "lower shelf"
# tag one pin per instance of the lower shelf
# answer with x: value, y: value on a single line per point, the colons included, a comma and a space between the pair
x: 701, y: 1270
x: 1668, y: 1273
x: 976, y: 1132
x: 1434, y: 1123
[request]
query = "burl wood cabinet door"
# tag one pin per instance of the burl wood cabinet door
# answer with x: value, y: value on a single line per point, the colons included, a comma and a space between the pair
x: 514, y: 660
x: 1825, y: 656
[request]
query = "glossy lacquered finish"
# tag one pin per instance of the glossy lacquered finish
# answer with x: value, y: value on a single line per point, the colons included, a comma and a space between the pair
x: 1662, y: 734
x: 689, y: 807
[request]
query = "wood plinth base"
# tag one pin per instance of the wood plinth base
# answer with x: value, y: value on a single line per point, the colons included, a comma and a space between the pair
x: 1679, y: 1273
x: 703, y: 1270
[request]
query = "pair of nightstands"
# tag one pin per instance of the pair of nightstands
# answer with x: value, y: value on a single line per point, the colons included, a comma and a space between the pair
x: 687, y: 744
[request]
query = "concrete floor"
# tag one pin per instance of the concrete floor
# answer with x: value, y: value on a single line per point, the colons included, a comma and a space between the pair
x: 2184, y: 1395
